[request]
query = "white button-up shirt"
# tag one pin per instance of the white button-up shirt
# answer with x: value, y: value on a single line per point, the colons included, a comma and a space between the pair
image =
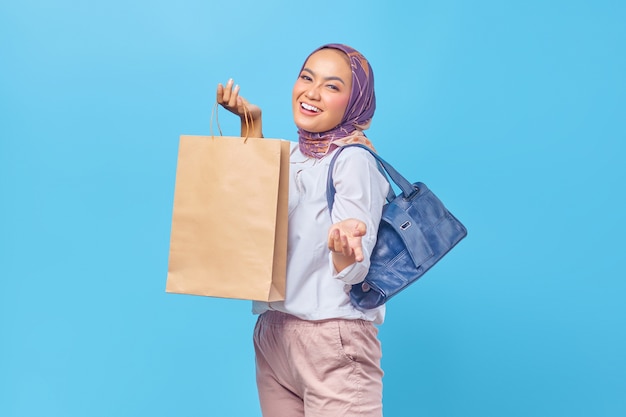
x: 314, y: 289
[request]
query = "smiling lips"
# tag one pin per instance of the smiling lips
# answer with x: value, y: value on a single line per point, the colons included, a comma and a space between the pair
x: 308, y: 107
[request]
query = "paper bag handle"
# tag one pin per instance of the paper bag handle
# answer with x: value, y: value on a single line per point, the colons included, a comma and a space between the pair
x: 217, y: 122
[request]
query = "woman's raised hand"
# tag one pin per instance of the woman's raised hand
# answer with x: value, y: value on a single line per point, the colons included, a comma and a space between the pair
x: 229, y: 98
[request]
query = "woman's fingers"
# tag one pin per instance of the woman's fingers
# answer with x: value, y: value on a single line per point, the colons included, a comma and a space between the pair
x: 228, y: 97
x: 358, y: 253
x: 220, y: 93
x: 345, y: 238
x: 227, y: 92
x: 234, y: 94
x: 337, y: 242
x: 333, y: 237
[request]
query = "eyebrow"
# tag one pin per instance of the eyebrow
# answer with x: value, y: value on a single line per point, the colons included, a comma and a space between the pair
x: 327, y: 78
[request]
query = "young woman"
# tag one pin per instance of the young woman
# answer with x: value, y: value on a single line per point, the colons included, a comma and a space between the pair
x: 316, y: 354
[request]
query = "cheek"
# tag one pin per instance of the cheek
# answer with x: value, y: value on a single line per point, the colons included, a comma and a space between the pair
x: 298, y: 88
x: 293, y: 93
x: 339, y: 104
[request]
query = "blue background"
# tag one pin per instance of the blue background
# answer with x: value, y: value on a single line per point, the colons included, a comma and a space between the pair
x: 513, y: 112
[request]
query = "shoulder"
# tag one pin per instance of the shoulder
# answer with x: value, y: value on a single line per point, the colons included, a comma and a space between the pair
x: 353, y: 159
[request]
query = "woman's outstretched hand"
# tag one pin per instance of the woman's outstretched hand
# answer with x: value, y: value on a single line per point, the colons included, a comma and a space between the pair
x: 229, y: 98
x: 344, y: 241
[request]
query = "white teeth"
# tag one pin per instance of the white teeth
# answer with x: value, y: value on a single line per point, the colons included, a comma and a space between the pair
x: 309, y: 107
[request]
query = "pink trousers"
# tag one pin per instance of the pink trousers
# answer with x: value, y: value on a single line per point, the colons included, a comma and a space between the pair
x: 328, y: 368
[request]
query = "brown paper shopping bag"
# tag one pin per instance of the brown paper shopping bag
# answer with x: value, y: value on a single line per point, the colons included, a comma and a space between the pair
x: 229, y: 221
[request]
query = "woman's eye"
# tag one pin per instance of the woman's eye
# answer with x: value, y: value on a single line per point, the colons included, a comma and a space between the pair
x: 305, y: 77
x: 333, y: 87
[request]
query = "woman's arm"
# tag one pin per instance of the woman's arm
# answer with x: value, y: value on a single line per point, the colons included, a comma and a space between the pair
x: 250, y: 114
x: 358, y: 204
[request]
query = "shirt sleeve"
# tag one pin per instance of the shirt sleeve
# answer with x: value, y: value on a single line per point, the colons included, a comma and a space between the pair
x: 360, y: 193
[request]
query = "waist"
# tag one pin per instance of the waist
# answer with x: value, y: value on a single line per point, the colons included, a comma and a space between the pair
x: 274, y: 317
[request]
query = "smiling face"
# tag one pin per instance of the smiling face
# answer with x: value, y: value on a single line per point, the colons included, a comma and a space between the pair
x: 322, y: 92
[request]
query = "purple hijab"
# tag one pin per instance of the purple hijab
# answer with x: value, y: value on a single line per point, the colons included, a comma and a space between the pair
x: 359, y: 111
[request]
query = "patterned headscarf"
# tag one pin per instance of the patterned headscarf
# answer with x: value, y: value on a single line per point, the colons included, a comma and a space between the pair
x: 359, y: 111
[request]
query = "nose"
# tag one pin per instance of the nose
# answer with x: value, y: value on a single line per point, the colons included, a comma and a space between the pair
x: 312, y: 92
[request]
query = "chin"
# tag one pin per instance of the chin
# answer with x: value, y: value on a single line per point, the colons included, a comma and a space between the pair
x: 311, y: 130
x: 307, y: 127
